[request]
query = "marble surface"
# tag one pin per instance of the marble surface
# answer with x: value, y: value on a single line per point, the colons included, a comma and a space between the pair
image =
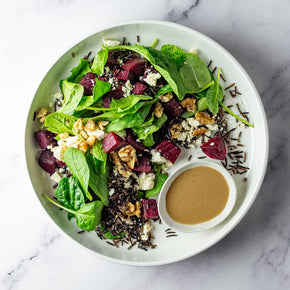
x: 255, y: 255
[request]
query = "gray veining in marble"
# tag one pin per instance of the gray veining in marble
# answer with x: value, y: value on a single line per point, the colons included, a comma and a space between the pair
x: 255, y: 255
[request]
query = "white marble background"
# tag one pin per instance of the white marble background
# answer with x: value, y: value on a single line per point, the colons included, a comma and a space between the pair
x: 256, y: 255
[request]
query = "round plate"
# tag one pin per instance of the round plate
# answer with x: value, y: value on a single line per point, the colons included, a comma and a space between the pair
x: 169, y: 249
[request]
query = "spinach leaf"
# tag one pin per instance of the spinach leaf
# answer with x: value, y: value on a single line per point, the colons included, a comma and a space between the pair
x: 72, y: 95
x: 99, y: 178
x: 214, y: 95
x: 160, y: 121
x: 108, y: 235
x: 87, y: 217
x: 195, y: 74
x: 99, y: 90
x: 148, y: 141
x: 143, y: 131
x: 98, y: 152
x: 124, y: 104
x: 100, y: 61
x: 165, y: 89
x: 69, y: 193
x: 159, y: 181
x: 187, y: 114
x: 60, y: 123
x: 76, y: 161
x: 139, y: 195
x: 79, y: 71
x: 176, y: 53
x: 202, y: 104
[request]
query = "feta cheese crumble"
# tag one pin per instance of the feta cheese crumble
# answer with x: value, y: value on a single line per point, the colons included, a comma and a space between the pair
x: 127, y: 89
x: 145, y: 231
x: 151, y: 79
x: 111, y: 42
x: 146, y: 181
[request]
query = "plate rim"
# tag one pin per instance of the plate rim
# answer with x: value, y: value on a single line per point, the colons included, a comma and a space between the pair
x: 233, y: 223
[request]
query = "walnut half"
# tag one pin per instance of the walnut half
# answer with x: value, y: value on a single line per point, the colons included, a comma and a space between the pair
x: 204, y: 118
x: 175, y: 130
x: 188, y: 104
x: 128, y: 154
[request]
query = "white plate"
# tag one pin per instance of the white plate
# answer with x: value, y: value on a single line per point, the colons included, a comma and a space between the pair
x: 172, y: 249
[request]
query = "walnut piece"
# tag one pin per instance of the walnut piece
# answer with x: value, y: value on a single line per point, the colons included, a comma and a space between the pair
x: 175, y: 130
x: 78, y: 125
x: 128, y: 154
x: 198, y: 132
x: 166, y: 97
x: 83, y: 146
x: 63, y: 135
x: 91, y: 141
x: 84, y: 134
x: 123, y: 168
x: 90, y: 126
x: 102, y: 124
x: 158, y: 110
x: 132, y: 209
x: 41, y: 115
x: 188, y: 104
x: 204, y: 118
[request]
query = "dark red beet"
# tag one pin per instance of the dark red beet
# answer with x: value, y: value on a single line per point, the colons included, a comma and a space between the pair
x: 60, y: 163
x: 135, y: 65
x: 131, y: 140
x: 111, y: 62
x: 139, y: 89
x: 102, y: 79
x: 115, y: 94
x: 47, y: 161
x: 215, y: 148
x: 168, y: 150
x: 143, y: 166
x: 172, y: 108
x: 112, y: 142
x: 107, y: 101
x: 45, y: 138
x: 125, y: 75
x: 88, y: 82
x: 150, y: 209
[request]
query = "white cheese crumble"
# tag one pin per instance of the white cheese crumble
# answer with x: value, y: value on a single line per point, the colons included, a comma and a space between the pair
x: 145, y: 231
x: 120, y: 61
x: 156, y: 157
x: 111, y: 191
x: 111, y: 42
x: 166, y: 166
x: 127, y: 89
x: 98, y: 134
x: 151, y: 79
x: 56, y: 176
x: 146, y: 181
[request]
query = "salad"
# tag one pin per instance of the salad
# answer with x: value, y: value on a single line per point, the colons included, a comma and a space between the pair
x: 119, y: 123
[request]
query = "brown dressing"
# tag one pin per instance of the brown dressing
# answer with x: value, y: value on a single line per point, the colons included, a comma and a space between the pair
x: 197, y: 195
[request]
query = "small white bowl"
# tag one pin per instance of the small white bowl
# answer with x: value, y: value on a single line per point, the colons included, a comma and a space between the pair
x: 185, y: 228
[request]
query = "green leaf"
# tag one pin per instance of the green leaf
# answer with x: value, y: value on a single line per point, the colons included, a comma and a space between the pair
x: 139, y: 195
x: 124, y: 104
x: 108, y: 235
x: 76, y: 161
x: 176, y: 53
x: 195, y: 74
x: 98, y: 152
x: 164, y: 90
x: 72, y: 95
x: 79, y: 71
x: 100, y: 61
x: 142, y: 132
x: 159, y: 181
x: 202, y: 104
x: 60, y: 123
x: 148, y: 141
x: 69, y: 193
x: 87, y: 217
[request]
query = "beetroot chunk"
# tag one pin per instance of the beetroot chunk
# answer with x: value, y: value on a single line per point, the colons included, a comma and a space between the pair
x: 112, y: 142
x: 45, y: 138
x: 131, y: 140
x: 47, y: 161
x: 168, y: 150
x: 107, y: 101
x: 88, y: 82
x: 111, y: 61
x: 172, y: 108
x: 135, y: 65
x: 139, y: 89
x: 215, y: 148
x: 143, y: 166
x: 115, y: 94
x: 150, y: 209
x: 125, y: 75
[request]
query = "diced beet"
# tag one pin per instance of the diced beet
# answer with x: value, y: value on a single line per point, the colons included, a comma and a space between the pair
x: 45, y: 138
x: 115, y: 94
x: 168, y: 150
x: 131, y: 140
x: 111, y: 62
x: 215, y: 148
x: 143, y: 166
x: 125, y: 75
x: 112, y: 142
x: 103, y: 79
x: 172, y: 108
x: 150, y: 209
x: 139, y: 89
x: 135, y: 65
x: 60, y: 163
x: 47, y: 161
x: 107, y: 101
x: 88, y: 82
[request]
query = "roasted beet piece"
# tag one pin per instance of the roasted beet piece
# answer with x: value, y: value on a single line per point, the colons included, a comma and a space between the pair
x: 215, y: 148
x: 150, y: 209
x: 47, y: 161
x: 102, y: 79
x: 135, y: 65
x: 112, y: 142
x: 139, y: 89
x: 111, y: 62
x: 115, y: 94
x: 168, y: 150
x: 45, y: 138
x: 172, y: 108
x: 88, y: 82
x: 107, y: 101
x: 125, y: 75
x: 131, y: 140
x: 59, y: 163
x: 143, y: 165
